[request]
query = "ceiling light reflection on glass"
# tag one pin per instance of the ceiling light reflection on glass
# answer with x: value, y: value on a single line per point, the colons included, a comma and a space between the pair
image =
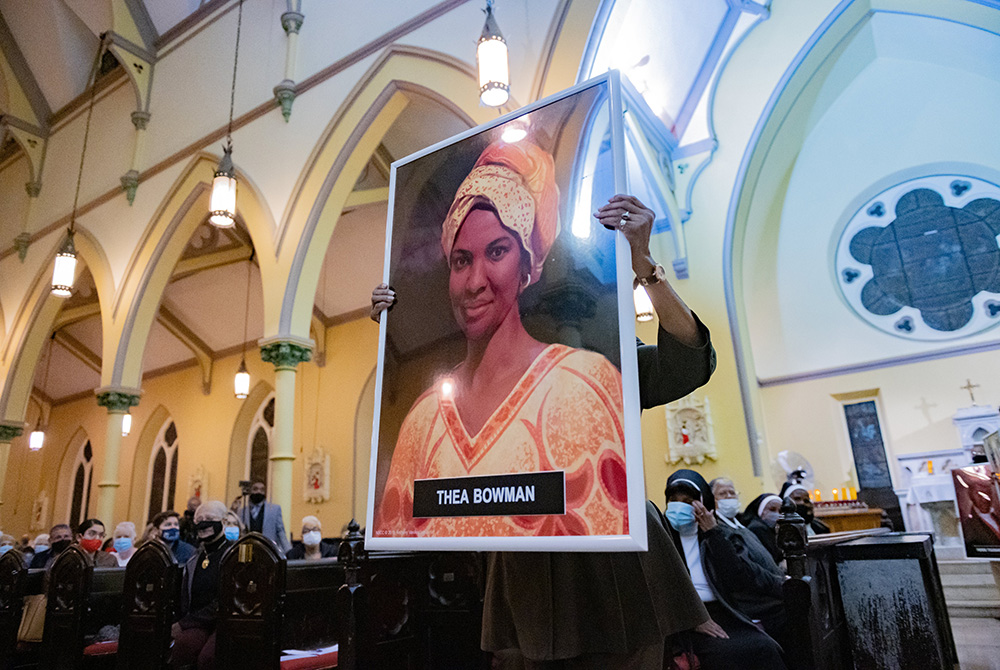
x: 643, y: 305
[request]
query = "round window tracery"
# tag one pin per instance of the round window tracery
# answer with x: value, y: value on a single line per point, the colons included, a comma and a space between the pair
x: 921, y: 260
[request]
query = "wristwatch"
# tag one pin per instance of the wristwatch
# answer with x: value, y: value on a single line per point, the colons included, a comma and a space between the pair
x: 659, y: 274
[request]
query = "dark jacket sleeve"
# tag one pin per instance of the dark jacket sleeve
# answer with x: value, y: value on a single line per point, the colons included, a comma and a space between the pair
x: 734, y: 570
x: 670, y: 370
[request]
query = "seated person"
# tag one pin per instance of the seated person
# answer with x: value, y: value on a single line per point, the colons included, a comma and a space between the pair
x: 313, y: 547
x: 804, y: 506
x: 38, y: 545
x: 7, y: 542
x: 167, y: 527
x: 194, y: 634
x: 90, y: 537
x: 764, y: 600
x: 719, y: 573
x: 124, y: 543
x: 760, y: 517
x: 232, y: 526
x: 60, y: 537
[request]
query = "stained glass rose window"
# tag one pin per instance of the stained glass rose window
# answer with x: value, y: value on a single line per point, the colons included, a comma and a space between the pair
x: 921, y: 260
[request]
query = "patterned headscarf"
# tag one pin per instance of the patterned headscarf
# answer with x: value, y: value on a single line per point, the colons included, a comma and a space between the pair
x: 518, y: 179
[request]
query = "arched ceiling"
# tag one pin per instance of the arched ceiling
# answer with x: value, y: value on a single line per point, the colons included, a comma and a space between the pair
x: 902, y: 95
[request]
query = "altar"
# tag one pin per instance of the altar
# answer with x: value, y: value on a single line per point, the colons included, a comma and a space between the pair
x: 926, y: 489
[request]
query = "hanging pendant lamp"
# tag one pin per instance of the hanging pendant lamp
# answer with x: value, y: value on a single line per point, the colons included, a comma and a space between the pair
x: 222, y: 208
x: 241, y: 383
x: 64, y: 269
x: 126, y: 424
x: 491, y: 55
x: 37, y: 438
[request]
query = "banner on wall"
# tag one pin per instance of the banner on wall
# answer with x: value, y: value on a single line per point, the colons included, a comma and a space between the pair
x: 506, y: 403
x: 976, y: 493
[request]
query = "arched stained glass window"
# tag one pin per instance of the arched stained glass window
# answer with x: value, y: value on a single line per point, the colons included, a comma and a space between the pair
x: 163, y: 470
x: 259, y: 443
x: 83, y: 470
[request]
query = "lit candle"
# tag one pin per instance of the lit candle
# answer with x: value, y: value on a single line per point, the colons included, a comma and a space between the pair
x: 843, y: 493
x: 836, y: 494
x: 930, y: 467
x: 817, y: 498
x: 854, y: 493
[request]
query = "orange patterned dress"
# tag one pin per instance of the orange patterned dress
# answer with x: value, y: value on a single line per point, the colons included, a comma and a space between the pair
x: 565, y: 413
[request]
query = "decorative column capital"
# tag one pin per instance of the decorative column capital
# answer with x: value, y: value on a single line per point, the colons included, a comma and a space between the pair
x: 130, y: 184
x: 33, y: 188
x: 21, y: 243
x: 284, y: 93
x: 140, y: 119
x: 292, y: 21
x: 118, y: 400
x: 285, y: 353
x: 8, y: 431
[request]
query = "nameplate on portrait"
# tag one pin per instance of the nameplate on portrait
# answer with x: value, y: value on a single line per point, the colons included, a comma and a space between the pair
x: 522, y: 494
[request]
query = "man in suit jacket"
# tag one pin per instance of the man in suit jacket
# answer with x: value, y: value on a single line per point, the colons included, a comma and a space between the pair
x: 264, y: 517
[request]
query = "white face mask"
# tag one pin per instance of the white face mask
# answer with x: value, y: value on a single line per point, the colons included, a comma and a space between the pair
x: 312, y: 538
x: 728, y: 507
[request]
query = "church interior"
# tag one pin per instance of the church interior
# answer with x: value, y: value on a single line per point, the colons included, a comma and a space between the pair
x: 826, y: 186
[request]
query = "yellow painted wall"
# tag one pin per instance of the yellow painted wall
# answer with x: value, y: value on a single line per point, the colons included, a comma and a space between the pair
x: 326, y: 402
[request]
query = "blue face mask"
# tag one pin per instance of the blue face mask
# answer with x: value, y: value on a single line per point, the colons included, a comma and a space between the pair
x: 171, y: 534
x: 232, y: 533
x: 122, y: 544
x: 680, y: 515
x: 770, y: 518
x: 5, y: 548
x: 39, y: 548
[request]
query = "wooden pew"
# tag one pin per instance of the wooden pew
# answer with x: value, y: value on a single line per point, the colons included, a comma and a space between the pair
x: 150, y: 600
x: 81, y: 600
x: 13, y: 588
x: 857, y: 596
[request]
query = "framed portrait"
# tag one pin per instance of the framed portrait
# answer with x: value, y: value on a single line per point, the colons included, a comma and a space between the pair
x: 976, y: 495
x: 506, y: 402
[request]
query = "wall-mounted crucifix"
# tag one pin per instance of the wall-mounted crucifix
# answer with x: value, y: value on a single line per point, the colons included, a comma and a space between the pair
x: 968, y: 387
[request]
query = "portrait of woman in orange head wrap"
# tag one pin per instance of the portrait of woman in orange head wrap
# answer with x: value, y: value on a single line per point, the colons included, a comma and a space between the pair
x: 514, y: 404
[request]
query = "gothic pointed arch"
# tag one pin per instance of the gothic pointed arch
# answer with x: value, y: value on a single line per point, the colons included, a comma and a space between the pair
x: 137, y: 504
x: 341, y: 154
x: 183, y: 209
x: 26, y: 336
x: 75, y: 495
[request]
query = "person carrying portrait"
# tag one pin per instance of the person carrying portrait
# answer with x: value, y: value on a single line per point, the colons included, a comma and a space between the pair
x: 608, y: 609
x: 733, y: 574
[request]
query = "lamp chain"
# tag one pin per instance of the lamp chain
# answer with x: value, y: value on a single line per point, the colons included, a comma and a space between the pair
x: 92, y: 81
x: 236, y: 62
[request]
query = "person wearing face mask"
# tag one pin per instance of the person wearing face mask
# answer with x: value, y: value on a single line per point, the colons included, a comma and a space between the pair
x: 264, y: 517
x: 761, y: 517
x: 59, y: 538
x: 232, y: 527
x: 7, y: 543
x: 167, y: 528
x: 720, y: 571
x: 312, y: 547
x: 124, y: 542
x: 38, y: 545
x: 194, y: 633
x: 804, y: 506
x: 90, y: 537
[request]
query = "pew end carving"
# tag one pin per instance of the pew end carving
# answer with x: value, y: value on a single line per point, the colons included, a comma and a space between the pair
x: 251, y: 604
x: 149, y: 603
x: 13, y: 587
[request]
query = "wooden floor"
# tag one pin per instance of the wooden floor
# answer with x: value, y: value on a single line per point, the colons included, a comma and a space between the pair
x: 978, y: 642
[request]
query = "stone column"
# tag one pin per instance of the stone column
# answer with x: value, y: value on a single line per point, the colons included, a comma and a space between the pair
x: 8, y: 432
x: 291, y: 21
x: 117, y: 401
x: 285, y: 354
x: 130, y: 181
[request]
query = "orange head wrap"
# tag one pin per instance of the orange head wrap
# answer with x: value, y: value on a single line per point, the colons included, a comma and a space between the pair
x: 518, y: 180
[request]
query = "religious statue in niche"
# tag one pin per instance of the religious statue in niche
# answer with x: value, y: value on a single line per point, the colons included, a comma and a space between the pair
x: 198, y: 484
x: 317, y: 484
x: 40, y: 512
x: 689, y: 431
